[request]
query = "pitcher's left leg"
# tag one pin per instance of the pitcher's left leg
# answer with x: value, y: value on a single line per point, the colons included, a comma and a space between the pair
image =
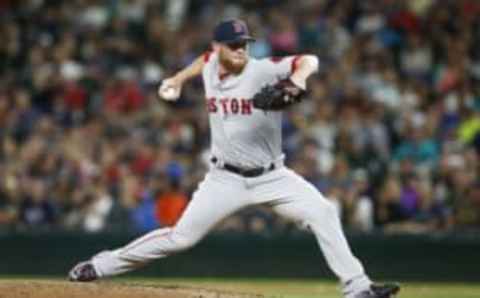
x: 300, y: 201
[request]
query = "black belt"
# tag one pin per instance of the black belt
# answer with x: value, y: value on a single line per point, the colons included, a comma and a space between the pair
x: 253, y: 172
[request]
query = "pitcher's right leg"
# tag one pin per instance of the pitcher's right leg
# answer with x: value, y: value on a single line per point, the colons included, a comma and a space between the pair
x: 217, y: 197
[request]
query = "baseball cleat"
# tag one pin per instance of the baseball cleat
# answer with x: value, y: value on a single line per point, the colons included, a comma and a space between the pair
x: 380, y: 291
x: 83, y: 271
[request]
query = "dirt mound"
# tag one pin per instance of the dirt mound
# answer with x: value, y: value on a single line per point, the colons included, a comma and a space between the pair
x: 61, y: 289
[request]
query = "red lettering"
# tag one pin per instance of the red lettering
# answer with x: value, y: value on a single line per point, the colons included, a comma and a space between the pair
x: 234, y: 106
x: 246, y: 106
x: 224, y: 102
x: 211, y: 106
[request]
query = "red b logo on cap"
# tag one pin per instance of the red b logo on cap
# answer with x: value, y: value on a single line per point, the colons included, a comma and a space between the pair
x: 239, y: 27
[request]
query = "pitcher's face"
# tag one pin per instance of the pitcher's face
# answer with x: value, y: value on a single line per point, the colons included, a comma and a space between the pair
x: 233, y: 56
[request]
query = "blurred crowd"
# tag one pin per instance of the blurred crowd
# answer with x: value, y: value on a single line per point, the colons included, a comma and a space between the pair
x: 390, y: 132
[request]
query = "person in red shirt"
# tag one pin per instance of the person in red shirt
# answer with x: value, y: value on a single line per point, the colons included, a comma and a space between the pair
x: 170, y: 205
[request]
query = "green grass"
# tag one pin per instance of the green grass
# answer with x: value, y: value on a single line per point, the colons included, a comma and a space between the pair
x: 291, y: 288
x: 298, y: 288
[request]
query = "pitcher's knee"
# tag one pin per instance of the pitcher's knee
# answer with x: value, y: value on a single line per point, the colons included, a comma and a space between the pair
x: 322, y: 210
x: 182, y: 242
x: 330, y: 207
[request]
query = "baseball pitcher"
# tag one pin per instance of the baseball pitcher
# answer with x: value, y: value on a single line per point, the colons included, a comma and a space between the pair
x: 244, y: 98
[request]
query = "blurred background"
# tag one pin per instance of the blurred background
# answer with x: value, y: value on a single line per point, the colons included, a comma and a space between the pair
x: 390, y: 132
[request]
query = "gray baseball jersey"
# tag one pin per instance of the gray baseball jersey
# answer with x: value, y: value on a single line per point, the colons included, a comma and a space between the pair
x: 242, y: 135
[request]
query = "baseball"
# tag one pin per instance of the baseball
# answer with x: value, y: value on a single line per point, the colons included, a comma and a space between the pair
x: 168, y: 92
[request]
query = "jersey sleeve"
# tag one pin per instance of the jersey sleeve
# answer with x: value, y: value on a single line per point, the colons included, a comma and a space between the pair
x: 206, y: 56
x: 208, y: 59
x: 280, y: 67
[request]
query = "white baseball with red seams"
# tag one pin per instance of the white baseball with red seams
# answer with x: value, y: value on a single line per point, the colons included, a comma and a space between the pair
x: 168, y: 92
x: 246, y: 138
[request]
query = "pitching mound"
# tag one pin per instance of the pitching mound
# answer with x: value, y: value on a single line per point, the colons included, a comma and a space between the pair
x: 61, y: 289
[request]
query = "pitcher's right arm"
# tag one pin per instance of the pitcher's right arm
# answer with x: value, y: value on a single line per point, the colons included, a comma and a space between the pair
x: 171, y: 87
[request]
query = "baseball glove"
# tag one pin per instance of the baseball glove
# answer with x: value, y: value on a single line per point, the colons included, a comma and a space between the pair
x: 278, y: 96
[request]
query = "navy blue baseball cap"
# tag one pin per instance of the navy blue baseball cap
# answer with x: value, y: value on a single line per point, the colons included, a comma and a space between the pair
x: 231, y: 31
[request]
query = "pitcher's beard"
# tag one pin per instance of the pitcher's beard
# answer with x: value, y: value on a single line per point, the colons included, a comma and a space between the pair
x: 231, y: 67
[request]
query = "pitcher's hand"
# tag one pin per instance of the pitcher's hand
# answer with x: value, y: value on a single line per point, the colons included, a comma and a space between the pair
x: 170, y: 89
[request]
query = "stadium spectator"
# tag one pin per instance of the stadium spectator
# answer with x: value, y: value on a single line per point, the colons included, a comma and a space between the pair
x: 390, y: 132
x: 170, y: 205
